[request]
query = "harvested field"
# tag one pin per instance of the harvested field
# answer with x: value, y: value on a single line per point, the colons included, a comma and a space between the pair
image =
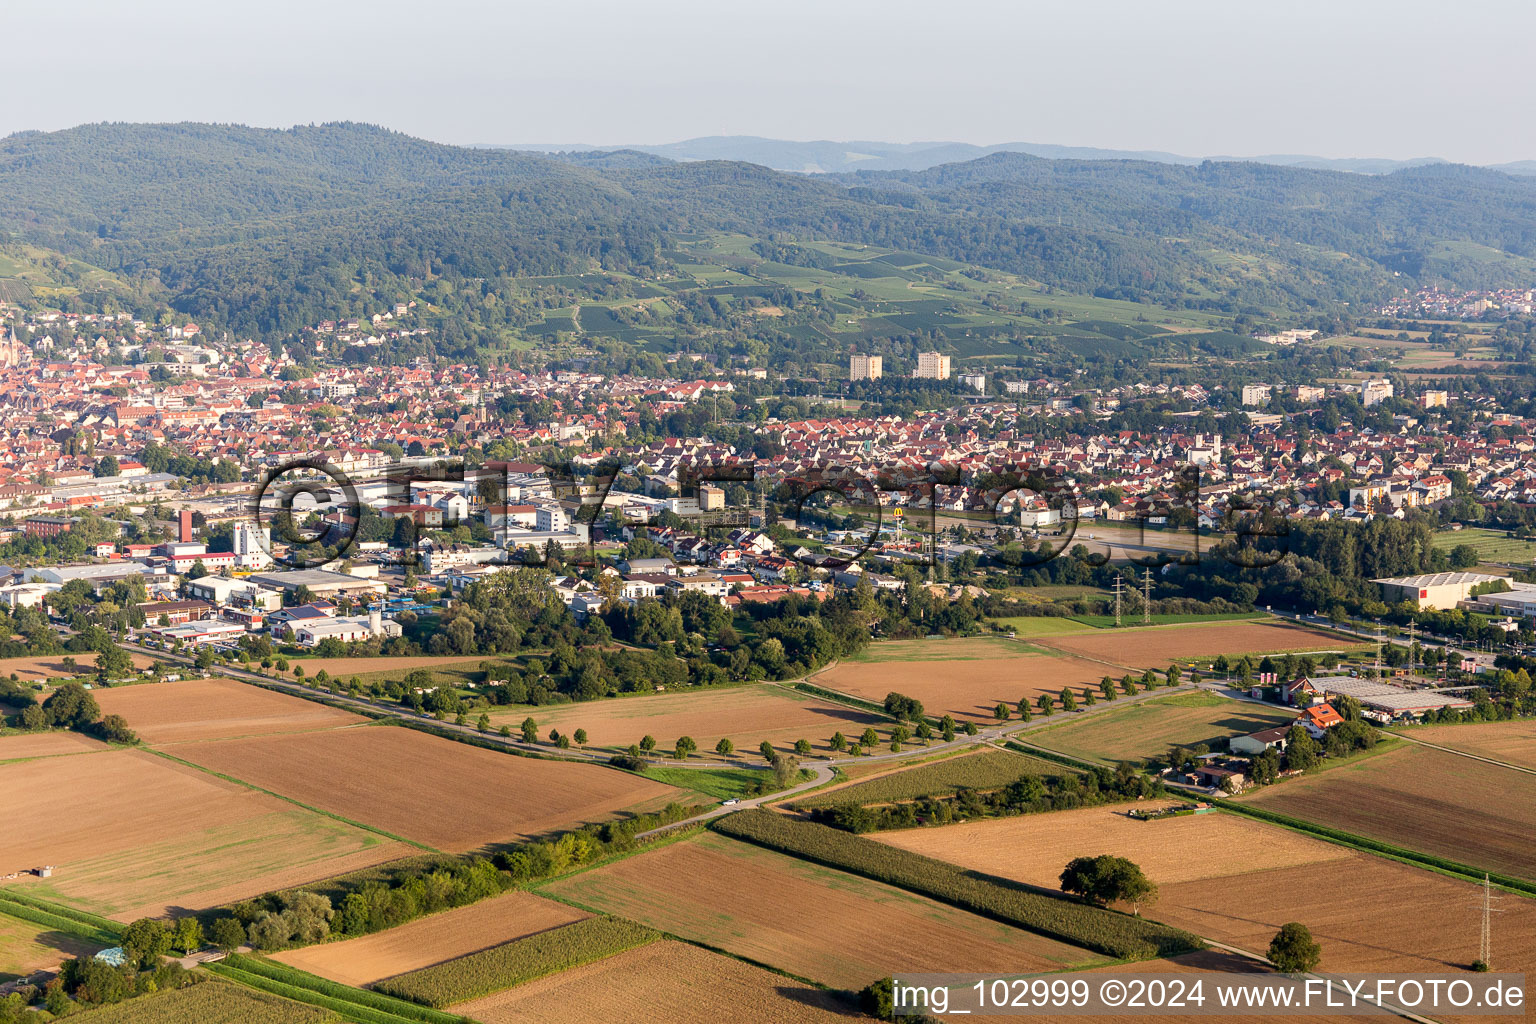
x: 447, y: 795
x: 1355, y: 907
x: 746, y: 715
x: 51, y: 666
x: 812, y: 921
x: 143, y: 834
x: 673, y: 981
x: 26, y: 947
x: 1155, y: 646
x: 46, y: 744
x: 1143, y: 731
x: 431, y: 940
x: 939, y: 648
x: 1034, y: 848
x: 966, y: 688
x: 1236, y: 880
x: 1427, y: 800
x: 211, y: 1002
x: 205, y: 709
x: 987, y: 769
x: 1513, y: 741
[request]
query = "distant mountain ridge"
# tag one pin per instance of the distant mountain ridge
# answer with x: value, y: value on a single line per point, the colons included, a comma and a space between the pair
x: 831, y: 157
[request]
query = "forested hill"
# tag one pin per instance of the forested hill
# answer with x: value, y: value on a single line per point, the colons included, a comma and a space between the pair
x: 264, y: 231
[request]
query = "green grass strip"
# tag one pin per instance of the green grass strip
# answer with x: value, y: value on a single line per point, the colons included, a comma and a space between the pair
x: 354, y: 1012
x: 274, y: 971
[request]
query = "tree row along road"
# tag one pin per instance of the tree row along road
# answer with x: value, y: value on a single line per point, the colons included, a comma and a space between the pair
x: 821, y: 767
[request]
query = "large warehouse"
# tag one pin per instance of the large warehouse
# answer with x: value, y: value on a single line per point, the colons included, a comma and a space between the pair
x: 1438, y: 590
x: 320, y: 583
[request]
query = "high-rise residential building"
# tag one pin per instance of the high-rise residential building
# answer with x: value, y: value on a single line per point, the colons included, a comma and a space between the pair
x: 932, y: 366
x: 1256, y: 394
x: 863, y: 367
x: 974, y: 381
x: 1374, y: 392
x: 1435, y: 399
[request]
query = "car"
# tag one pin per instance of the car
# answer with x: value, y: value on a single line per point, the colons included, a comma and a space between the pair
x: 732, y: 802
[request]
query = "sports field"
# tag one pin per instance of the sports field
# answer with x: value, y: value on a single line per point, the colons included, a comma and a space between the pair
x: 746, y: 715
x: 450, y: 796
x: 1143, y: 731
x: 1426, y: 800
x: 431, y: 940
x: 672, y: 981
x: 205, y: 709
x: 814, y: 922
x: 134, y: 834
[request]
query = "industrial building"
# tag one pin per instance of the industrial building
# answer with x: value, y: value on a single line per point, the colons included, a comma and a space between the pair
x: 1438, y: 590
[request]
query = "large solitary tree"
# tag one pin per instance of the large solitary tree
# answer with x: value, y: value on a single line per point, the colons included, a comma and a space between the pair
x: 1108, y: 879
x: 1294, y: 951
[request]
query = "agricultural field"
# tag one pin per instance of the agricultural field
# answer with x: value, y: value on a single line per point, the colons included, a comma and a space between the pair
x: 987, y: 769
x: 208, y: 709
x: 431, y: 940
x: 964, y: 678
x: 1033, y: 848
x: 1141, y: 732
x: 1491, y: 545
x: 513, y: 963
x: 17, y: 746
x: 138, y: 834
x: 51, y: 666
x: 812, y: 921
x: 446, y: 795
x: 26, y: 948
x: 1513, y: 741
x: 1027, y: 626
x: 746, y: 715
x: 1142, y: 647
x: 1236, y: 880
x: 673, y: 981
x: 1426, y: 800
x: 212, y: 1002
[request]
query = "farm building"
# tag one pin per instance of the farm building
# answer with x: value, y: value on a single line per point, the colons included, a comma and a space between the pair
x: 1388, y: 701
x: 1258, y: 742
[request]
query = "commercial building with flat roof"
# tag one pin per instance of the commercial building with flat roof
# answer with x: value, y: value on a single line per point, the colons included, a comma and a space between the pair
x: 1439, y: 590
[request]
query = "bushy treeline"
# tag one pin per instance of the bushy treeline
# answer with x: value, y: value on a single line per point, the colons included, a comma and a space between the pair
x: 1116, y: 935
x: 1029, y: 794
x: 372, y: 903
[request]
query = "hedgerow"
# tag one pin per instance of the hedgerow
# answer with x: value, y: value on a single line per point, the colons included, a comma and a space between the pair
x: 1118, y: 935
x: 275, y: 971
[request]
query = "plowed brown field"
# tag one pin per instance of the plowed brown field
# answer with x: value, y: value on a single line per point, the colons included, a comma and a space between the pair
x: 1237, y: 881
x: 1513, y: 741
x: 809, y: 920
x: 663, y: 981
x: 46, y: 744
x: 967, y: 689
x: 448, y: 795
x: 204, y: 709
x: 1427, y: 800
x: 1155, y: 646
x: 746, y: 715
x: 51, y: 666
x: 431, y: 940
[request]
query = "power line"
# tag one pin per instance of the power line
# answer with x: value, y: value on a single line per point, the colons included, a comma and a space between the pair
x: 1485, y: 946
x: 1119, y: 589
x: 1146, y: 597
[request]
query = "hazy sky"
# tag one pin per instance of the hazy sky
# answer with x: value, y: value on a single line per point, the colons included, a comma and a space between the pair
x: 1386, y: 78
